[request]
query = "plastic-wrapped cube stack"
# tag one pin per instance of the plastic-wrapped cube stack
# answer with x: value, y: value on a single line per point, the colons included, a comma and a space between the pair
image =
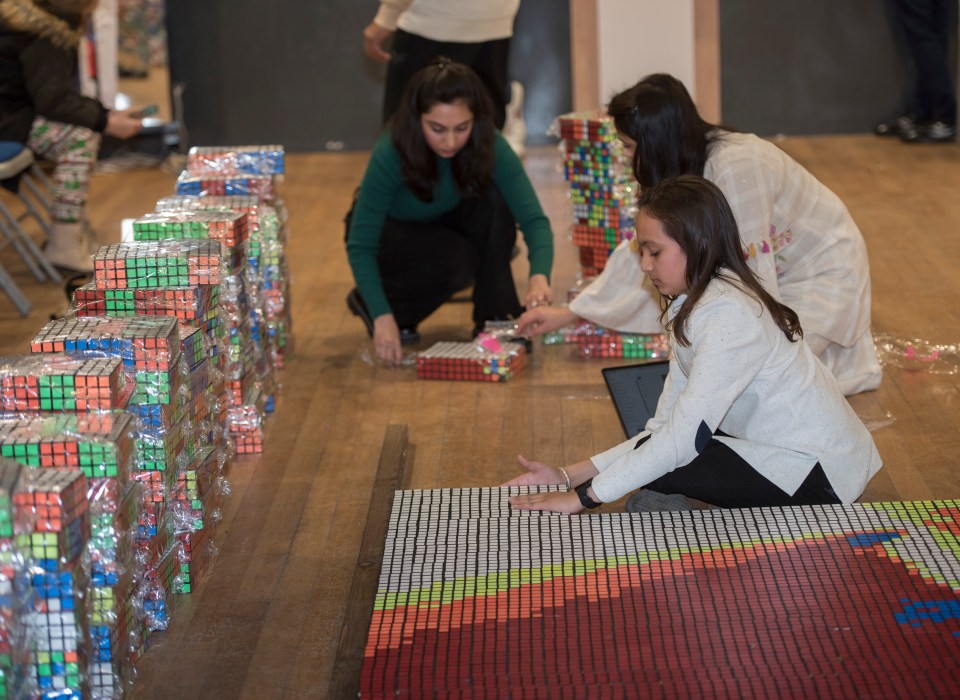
x: 244, y: 178
x: 98, y: 447
x: 16, y: 679
x: 602, y: 190
x: 164, y: 439
x: 53, y: 501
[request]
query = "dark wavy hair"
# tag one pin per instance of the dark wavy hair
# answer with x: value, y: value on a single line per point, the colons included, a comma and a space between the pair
x: 659, y: 114
x: 446, y: 82
x: 695, y: 214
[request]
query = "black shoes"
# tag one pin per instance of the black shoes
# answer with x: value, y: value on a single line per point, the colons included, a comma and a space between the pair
x: 895, y: 127
x: 910, y: 131
x: 935, y: 132
x: 408, y: 334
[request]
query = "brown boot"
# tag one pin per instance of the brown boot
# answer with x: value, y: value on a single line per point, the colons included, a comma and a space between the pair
x: 67, y: 248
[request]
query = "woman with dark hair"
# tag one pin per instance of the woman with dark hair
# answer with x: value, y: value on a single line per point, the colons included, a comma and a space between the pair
x: 749, y: 416
x: 41, y: 107
x: 796, y: 234
x: 438, y: 210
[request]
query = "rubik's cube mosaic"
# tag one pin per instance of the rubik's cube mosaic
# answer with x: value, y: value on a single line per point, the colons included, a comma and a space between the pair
x: 626, y: 345
x: 464, y: 362
x: 478, y: 601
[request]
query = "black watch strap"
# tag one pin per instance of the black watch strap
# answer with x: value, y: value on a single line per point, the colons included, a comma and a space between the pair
x: 584, y: 497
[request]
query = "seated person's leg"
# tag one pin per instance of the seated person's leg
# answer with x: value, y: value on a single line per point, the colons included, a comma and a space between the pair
x: 721, y: 477
x: 74, y: 151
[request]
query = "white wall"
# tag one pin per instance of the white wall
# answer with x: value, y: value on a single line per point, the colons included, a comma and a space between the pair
x: 638, y: 37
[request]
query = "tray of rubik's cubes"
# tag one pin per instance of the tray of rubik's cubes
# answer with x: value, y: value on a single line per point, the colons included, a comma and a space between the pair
x: 603, y: 192
x: 118, y: 422
x: 496, y: 355
x: 596, y: 342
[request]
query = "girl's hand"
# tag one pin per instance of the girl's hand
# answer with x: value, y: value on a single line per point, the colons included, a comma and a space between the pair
x: 538, y: 292
x: 544, y: 319
x: 537, y: 473
x: 386, y: 339
x: 123, y: 124
x: 555, y: 501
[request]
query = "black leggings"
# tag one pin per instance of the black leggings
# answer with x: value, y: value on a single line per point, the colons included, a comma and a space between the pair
x: 422, y: 265
x: 720, y: 476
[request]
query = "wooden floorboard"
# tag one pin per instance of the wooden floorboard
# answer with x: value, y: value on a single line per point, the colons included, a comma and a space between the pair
x: 266, y: 620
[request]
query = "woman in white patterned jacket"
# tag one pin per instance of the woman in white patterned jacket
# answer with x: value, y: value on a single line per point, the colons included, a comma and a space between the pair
x: 797, y: 235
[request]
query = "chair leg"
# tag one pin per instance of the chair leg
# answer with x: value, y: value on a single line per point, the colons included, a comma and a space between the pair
x: 43, y: 220
x: 36, y: 172
x: 13, y: 291
x: 31, y: 254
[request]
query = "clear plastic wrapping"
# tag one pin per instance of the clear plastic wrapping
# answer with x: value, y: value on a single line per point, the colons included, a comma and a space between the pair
x: 169, y: 263
x: 259, y: 186
x: 231, y: 160
x: 60, y: 382
x: 230, y: 228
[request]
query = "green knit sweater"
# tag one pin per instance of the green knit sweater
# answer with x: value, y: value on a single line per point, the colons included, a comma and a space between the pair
x: 383, y: 193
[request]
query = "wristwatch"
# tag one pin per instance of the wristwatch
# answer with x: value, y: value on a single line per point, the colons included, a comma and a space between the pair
x: 584, y: 497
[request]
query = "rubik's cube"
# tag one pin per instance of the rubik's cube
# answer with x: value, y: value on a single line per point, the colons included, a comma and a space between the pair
x: 263, y: 220
x: 197, y: 554
x: 151, y: 344
x: 228, y: 227
x: 464, y: 362
x: 602, y: 190
x: 260, y: 186
x: 197, y: 304
x: 159, y: 584
x: 170, y: 263
x: 55, y: 503
x: 193, y: 346
x: 626, y: 345
x: 58, y: 382
x: 230, y: 160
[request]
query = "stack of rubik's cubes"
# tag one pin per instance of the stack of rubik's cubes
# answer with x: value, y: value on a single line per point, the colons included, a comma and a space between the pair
x: 16, y: 599
x: 470, y: 362
x: 60, y: 413
x: 602, y: 190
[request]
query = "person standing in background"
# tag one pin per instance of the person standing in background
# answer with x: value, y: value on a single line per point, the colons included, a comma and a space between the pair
x: 931, y: 116
x: 476, y: 33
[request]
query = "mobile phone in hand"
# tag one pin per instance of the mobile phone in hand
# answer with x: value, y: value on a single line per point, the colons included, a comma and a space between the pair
x: 147, y: 111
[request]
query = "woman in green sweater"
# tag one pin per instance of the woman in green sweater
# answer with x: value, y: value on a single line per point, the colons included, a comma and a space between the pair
x: 438, y: 210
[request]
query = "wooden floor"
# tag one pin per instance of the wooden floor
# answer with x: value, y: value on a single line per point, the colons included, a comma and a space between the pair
x: 266, y: 621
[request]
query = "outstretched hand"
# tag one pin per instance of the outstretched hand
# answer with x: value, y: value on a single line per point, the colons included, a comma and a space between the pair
x: 537, y: 474
x: 544, y: 319
x: 554, y: 501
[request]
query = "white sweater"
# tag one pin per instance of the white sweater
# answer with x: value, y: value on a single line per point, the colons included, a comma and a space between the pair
x: 462, y: 21
x: 781, y: 406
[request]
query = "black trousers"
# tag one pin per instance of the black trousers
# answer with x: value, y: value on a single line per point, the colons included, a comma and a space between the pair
x: 720, y: 476
x: 422, y: 265
x: 488, y: 59
x: 925, y: 29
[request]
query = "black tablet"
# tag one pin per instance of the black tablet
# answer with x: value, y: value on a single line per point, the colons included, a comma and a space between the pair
x: 635, y: 390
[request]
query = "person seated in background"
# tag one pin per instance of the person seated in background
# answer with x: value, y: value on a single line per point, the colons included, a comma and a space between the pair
x: 749, y: 417
x: 797, y: 236
x: 438, y: 209
x: 41, y: 107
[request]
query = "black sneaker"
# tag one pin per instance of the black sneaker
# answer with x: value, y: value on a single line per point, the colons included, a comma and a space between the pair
x: 895, y: 127
x: 935, y: 132
x: 408, y: 334
x: 358, y: 308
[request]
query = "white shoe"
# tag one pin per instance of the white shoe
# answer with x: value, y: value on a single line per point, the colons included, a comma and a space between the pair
x: 67, y: 249
x: 514, y: 127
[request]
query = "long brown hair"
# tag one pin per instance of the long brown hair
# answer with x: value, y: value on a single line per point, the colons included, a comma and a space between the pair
x: 446, y: 82
x: 695, y: 214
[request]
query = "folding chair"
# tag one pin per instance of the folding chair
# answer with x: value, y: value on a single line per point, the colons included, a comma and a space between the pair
x: 15, y: 161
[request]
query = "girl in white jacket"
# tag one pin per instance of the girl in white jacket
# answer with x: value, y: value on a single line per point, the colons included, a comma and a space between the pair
x: 748, y: 416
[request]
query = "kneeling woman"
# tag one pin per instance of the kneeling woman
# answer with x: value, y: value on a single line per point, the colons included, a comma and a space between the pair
x: 438, y: 210
x: 748, y: 416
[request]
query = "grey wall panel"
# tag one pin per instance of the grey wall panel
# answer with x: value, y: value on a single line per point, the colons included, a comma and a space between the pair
x: 818, y: 67
x: 293, y: 71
